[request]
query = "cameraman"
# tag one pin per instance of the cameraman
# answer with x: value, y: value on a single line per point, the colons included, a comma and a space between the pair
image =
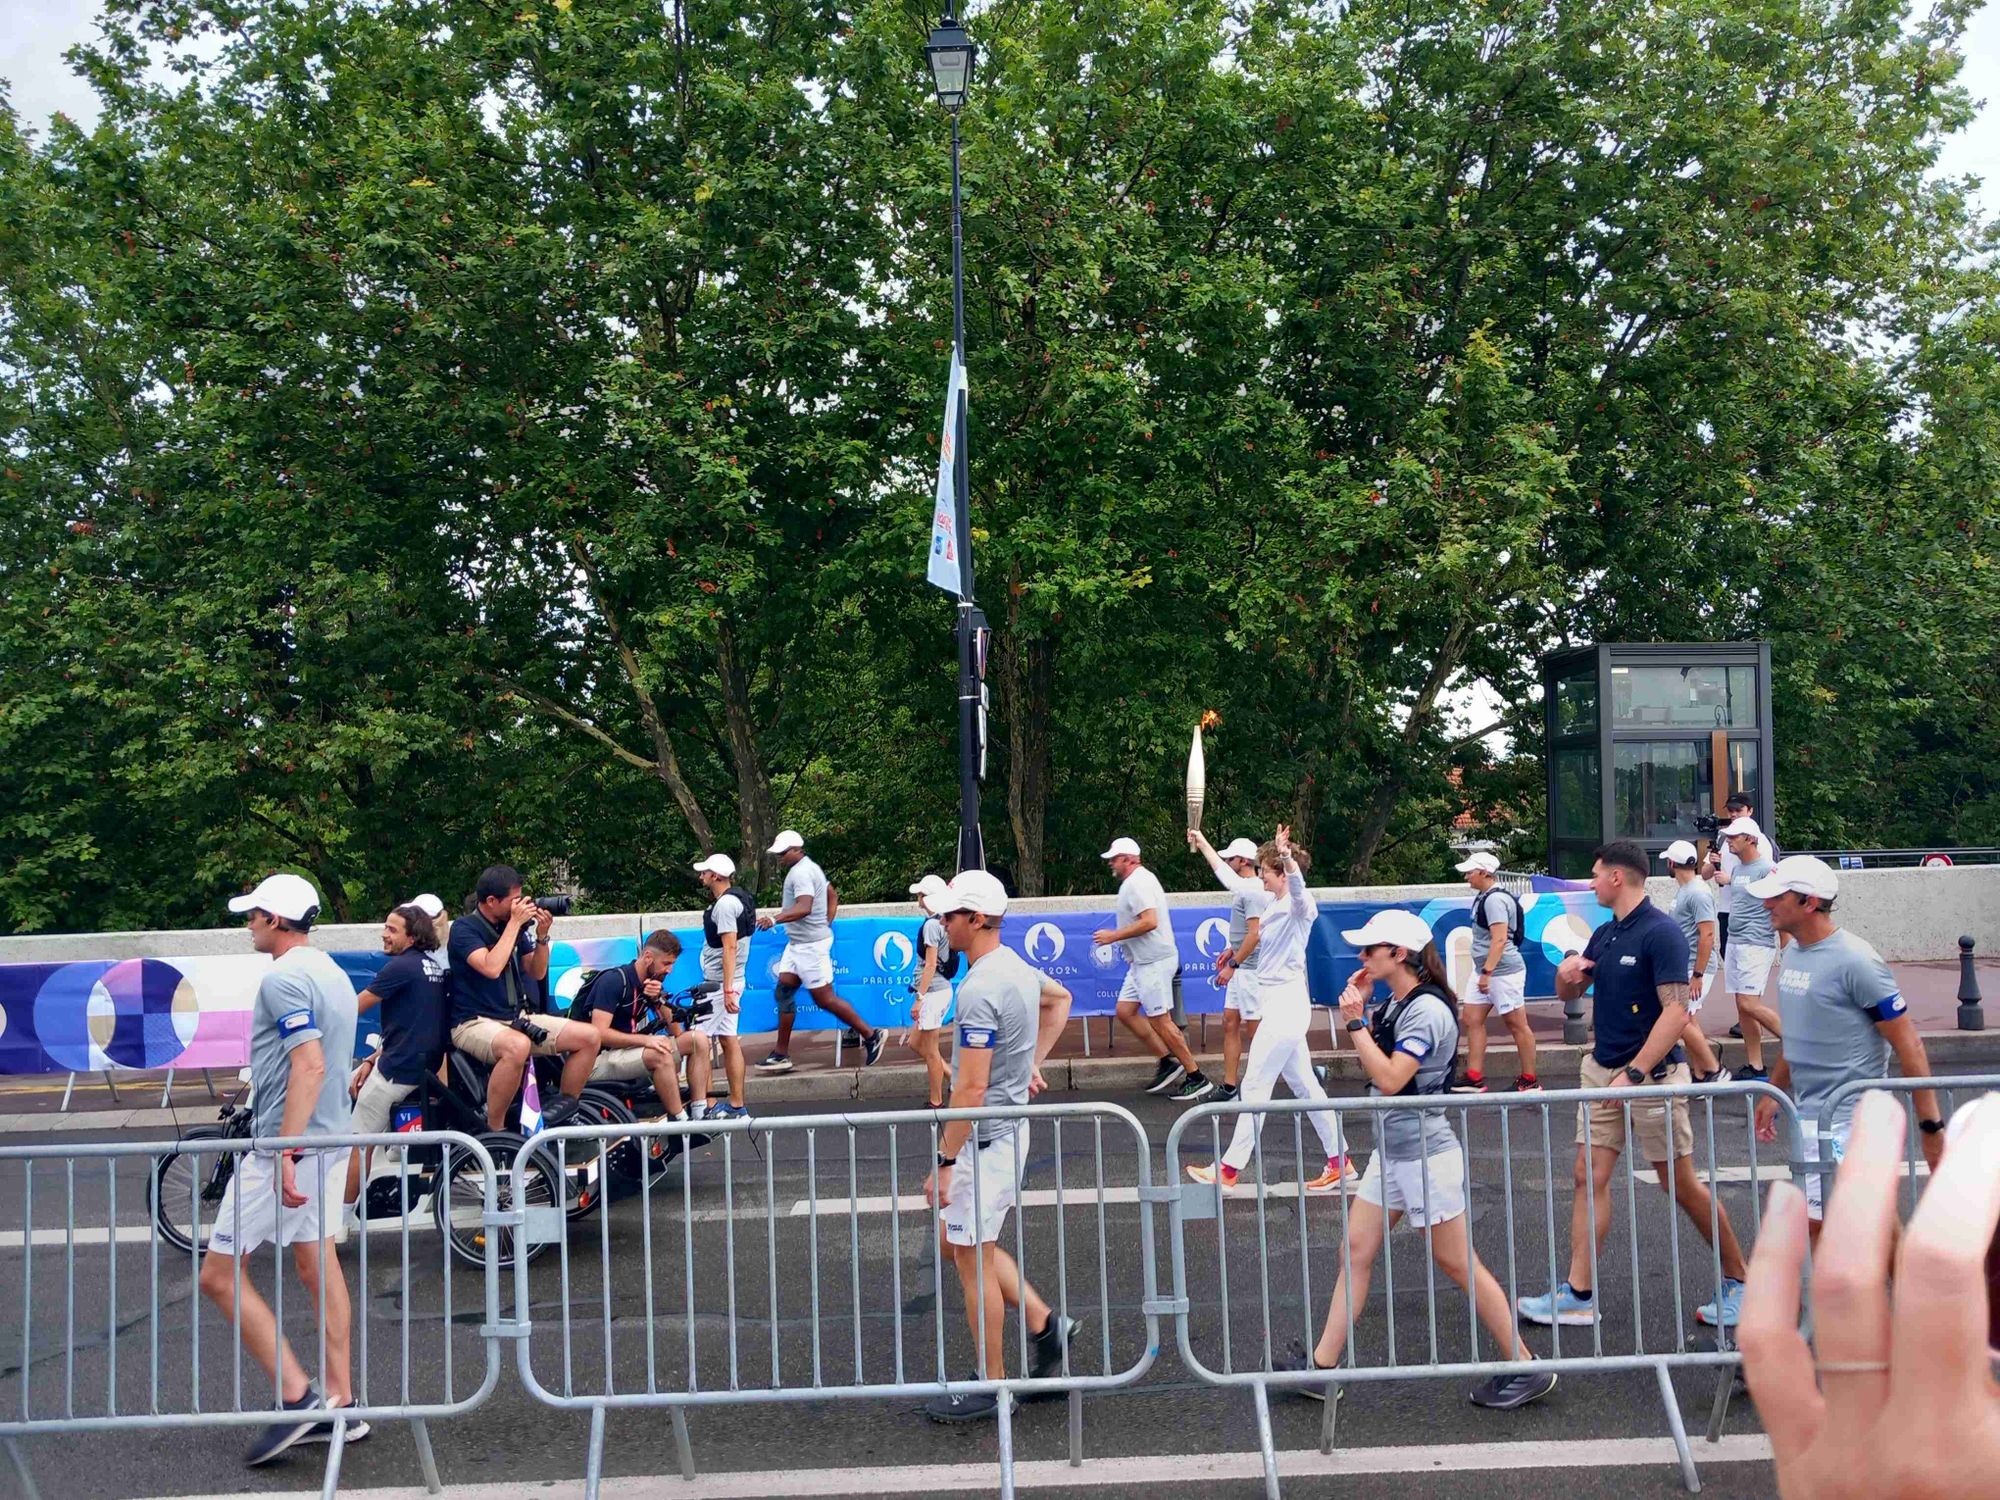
x: 497, y: 969
x: 612, y: 1000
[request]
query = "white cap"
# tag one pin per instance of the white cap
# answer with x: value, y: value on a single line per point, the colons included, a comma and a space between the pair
x: 1743, y: 825
x: 1798, y: 872
x: 1238, y: 849
x: 973, y: 890
x: 1480, y: 861
x: 1405, y: 929
x: 1121, y: 846
x: 429, y: 905
x: 789, y: 839
x: 717, y: 864
x: 289, y: 896
x: 930, y: 890
x: 1679, y: 852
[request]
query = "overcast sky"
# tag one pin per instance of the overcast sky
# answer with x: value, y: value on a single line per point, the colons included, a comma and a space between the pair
x: 34, y: 33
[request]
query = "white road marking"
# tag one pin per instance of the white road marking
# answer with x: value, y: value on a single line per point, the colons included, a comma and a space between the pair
x: 1131, y: 1474
x: 1766, y: 1172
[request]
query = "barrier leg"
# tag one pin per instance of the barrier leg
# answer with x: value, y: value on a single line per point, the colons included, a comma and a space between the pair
x: 683, y: 1449
x: 593, y: 1466
x: 167, y: 1090
x: 330, y: 1486
x: 1690, y: 1478
x: 1718, y: 1414
x: 426, y: 1460
x: 1076, y: 1429
x: 68, y: 1089
x: 1328, y: 1418
x: 208, y: 1082
x: 1005, y: 1413
x: 28, y: 1490
x: 112, y: 1084
x: 1266, y: 1445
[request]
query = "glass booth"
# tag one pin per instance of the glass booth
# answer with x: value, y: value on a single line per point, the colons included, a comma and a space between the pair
x: 1641, y: 738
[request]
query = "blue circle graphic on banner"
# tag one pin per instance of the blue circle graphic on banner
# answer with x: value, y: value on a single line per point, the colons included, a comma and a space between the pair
x: 140, y: 1013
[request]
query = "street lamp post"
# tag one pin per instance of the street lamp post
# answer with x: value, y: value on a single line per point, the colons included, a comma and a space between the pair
x: 951, y: 55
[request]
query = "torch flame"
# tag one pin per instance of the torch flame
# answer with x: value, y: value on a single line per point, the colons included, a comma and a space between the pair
x: 1210, y: 718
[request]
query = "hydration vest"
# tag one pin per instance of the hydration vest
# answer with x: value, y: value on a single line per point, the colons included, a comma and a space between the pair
x: 947, y: 964
x: 1390, y: 1016
x: 746, y: 918
x: 1517, y: 926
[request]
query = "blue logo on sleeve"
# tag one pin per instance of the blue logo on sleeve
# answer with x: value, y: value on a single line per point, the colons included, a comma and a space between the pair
x: 976, y: 1036
x: 292, y: 1022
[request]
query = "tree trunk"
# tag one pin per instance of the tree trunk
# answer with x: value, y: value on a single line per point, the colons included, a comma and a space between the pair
x: 1383, y: 804
x: 1027, y: 675
x: 756, y: 818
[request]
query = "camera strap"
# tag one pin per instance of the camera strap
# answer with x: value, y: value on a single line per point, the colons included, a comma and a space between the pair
x: 517, y: 988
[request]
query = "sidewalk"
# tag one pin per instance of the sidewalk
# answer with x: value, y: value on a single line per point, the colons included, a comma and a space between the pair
x: 1113, y: 1063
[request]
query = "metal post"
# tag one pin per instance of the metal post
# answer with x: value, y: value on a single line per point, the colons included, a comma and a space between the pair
x: 21, y: 1471
x: 971, y: 846
x: 1971, y: 1009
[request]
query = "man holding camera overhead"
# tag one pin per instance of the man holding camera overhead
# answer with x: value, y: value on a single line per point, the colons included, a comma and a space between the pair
x: 499, y: 955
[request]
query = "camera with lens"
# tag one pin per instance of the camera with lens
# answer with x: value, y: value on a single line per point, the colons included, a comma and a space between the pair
x: 530, y: 1030
x: 1708, y: 825
x: 556, y: 906
x: 684, y: 1009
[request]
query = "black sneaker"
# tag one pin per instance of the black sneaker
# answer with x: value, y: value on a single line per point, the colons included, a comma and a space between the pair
x: 1169, y: 1074
x: 873, y: 1047
x: 1737, y: 1032
x: 776, y: 1062
x: 963, y: 1406
x: 561, y: 1112
x: 1720, y: 1075
x: 1748, y: 1074
x: 280, y: 1435
x: 322, y: 1432
x: 1298, y: 1358
x: 1195, y: 1087
x: 1225, y: 1093
x: 1046, y: 1348
x: 1505, y: 1392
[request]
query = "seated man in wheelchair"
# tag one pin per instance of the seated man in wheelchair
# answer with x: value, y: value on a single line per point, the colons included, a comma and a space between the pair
x: 619, y: 1003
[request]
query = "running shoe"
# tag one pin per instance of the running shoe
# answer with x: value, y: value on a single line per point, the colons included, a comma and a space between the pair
x: 1737, y: 1032
x: 1560, y: 1306
x: 1505, y: 1392
x: 561, y: 1112
x: 1169, y: 1074
x: 1471, y: 1083
x: 1748, y: 1074
x: 1720, y: 1075
x: 1194, y: 1088
x: 963, y: 1406
x: 301, y: 1416
x: 1338, y: 1170
x: 1731, y: 1306
x: 1299, y: 1358
x: 777, y: 1062
x: 728, y: 1112
x: 1046, y: 1358
x: 1526, y: 1085
x: 1208, y: 1176
x: 322, y: 1432
x: 1225, y: 1093
x: 873, y: 1046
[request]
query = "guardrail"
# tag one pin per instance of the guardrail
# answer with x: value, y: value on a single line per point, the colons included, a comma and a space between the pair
x: 138, y: 1218
x: 734, y: 1269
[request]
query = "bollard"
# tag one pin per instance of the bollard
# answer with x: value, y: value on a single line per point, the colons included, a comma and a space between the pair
x: 1576, y: 1030
x: 1971, y: 1012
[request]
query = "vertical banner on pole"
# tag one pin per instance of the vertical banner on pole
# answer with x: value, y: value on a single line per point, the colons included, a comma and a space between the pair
x: 943, y: 568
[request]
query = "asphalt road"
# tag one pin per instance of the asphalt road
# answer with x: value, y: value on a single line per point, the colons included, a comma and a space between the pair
x: 799, y: 1203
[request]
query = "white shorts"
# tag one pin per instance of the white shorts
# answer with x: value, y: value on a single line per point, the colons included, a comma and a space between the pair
x: 932, y: 1008
x: 1244, y: 996
x: 1507, y: 992
x: 720, y: 1022
x: 1745, y: 968
x: 999, y: 1186
x: 1696, y: 1002
x: 1151, y: 985
x: 812, y: 962
x: 250, y: 1214
x: 1407, y: 1185
x: 376, y: 1104
x: 1816, y: 1186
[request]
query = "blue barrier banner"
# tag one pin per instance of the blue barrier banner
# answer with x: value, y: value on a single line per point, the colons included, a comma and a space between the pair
x: 195, y: 1012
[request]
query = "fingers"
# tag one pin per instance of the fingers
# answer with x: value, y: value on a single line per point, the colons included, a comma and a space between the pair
x: 1941, y: 1307
x: 1776, y: 1361
x: 1851, y: 1272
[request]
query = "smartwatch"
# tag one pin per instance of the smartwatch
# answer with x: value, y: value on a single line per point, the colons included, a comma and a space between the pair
x: 947, y: 1161
x: 1931, y: 1127
x: 1636, y: 1075
x: 1357, y: 1025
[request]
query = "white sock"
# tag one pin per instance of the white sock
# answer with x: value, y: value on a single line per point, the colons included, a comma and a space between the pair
x: 700, y: 1109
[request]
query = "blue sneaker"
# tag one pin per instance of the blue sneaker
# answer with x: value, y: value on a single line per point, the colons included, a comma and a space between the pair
x: 1560, y: 1306
x: 1731, y: 1308
x: 728, y: 1112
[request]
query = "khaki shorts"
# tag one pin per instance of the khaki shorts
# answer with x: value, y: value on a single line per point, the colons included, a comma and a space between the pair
x: 475, y: 1037
x: 621, y: 1065
x: 1604, y: 1124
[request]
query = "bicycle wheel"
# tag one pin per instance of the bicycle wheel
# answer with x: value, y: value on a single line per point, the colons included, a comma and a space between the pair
x: 459, y: 1198
x: 187, y: 1187
x: 621, y: 1153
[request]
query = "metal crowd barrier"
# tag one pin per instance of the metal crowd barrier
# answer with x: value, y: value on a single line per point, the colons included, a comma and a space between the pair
x: 1948, y: 1090
x: 109, y: 1247
x: 1265, y: 1238
x: 629, y: 1329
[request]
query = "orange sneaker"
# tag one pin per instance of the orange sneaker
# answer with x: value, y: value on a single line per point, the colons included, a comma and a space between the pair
x: 1208, y: 1176
x: 1338, y: 1170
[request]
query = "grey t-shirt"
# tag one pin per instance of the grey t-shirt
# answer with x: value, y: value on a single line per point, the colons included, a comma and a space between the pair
x: 1694, y: 904
x: 305, y: 997
x: 727, y: 912
x: 807, y: 879
x: 1428, y: 1031
x: 1141, y: 891
x: 1000, y: 1010
x: 931, y: 936
x: 1247, y: 902
x: 1831, y: 996
x: 1748, y: 921
x: 1499, y: 906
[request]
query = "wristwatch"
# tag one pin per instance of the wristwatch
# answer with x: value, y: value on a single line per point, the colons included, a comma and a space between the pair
x: 947, y: 1161
x: 1931, y: 1127
x: 1357, y: 1025
x: 1636, y: 1075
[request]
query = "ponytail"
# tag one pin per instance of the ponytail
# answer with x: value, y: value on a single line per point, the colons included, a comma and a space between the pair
x: 1429, y: 967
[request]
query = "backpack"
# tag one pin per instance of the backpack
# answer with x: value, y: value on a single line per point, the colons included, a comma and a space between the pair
x: 746, y: 920
x: 581, y: 1007
x: 1517, y: 926
x: 948, y: 956
x: 1390, y: 1016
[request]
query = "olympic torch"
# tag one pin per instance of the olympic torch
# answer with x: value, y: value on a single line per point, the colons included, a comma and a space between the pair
x: 1197, y: 770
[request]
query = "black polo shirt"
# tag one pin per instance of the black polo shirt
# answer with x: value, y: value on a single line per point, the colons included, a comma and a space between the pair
x: 1634, y: 957
x: 616, y: 990
x: 473, y: 995
x: 412, y: 991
